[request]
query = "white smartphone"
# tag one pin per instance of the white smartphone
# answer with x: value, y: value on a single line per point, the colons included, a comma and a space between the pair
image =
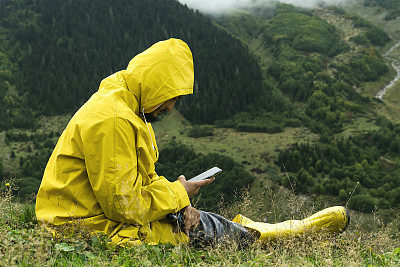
x: 207, y: 174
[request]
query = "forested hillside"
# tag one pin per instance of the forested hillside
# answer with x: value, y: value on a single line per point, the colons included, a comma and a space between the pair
x: 177, y: 159
x: 263, y: 70
x: 393, y: 6
x: 325, y: 71
x: 55, y: 53
x: 58, y: 51
x: 301, y: 54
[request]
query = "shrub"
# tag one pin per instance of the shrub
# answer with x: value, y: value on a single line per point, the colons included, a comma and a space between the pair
x: 377, y: 36
x: 361, y: 39
x: 293, y: 123
x: 251, y: 127
x: 364, y: 202
x: 274, y: 128
x: 176, y: 159
x: 201, y: 131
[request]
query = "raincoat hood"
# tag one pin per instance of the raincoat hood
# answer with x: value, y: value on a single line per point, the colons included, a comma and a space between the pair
x: 163, y: 71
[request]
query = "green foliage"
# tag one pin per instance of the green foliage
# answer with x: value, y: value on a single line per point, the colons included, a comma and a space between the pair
x: 31, y: 165
x: 63, y: 49
x: 361, y: 39
x: 372, y: 35
x: 304, y: 31
x: 11, y: 112
x: 6, y: 76
x: 364, y: 203
x: 24, y: 243
x: 300, y: 49
x: 256, y: 127
x: 265, y: 122
x: 176, y: 159
x: 57, y: 73
x: 29, y: 244
x: 337, y: 10
x: 377, y: 36
x: 27, y: 217
x: 393, y: 6
x: 337, y: 168
x: 240, y: 23
x: 326, y: 110
x: 200, y: 131
x: 2, y: 172
x: 368, y: 66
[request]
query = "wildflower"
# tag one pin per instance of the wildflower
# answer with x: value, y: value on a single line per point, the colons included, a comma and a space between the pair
x: 8, y: 185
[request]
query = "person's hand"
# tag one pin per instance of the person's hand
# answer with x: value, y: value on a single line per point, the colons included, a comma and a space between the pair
x: 193, y: 187
x: 191, y: 218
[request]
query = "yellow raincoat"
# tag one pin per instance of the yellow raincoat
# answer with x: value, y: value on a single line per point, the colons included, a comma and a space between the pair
x: 102, y: 169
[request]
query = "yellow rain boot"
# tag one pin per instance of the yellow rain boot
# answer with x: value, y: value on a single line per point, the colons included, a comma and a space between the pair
x: 333, y: 220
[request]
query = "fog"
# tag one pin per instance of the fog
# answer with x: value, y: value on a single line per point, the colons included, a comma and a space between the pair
x: 222, y: 6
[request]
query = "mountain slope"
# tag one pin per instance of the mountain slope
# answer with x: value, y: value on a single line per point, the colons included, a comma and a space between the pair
x: 60, y: 51
x: 303, y: 54
x: 313, y: 68
x: 328, y: 63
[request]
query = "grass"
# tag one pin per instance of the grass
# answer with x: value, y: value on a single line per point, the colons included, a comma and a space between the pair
x: 46, y: 125
x: 372, y: 88
x: 24, y: 243
x: 254, y: 150
x: 368, y: 241
x: 345, y: 26
x: 393, y: 95
x: 54, y: 123
x: 359, y: 125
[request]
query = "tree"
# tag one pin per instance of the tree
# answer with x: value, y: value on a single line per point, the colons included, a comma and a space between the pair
x: 364, y: 203
x: 1, y: 169
x: 177, y: 158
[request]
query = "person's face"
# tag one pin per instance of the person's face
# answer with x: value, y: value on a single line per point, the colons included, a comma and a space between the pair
x: 152, y: 113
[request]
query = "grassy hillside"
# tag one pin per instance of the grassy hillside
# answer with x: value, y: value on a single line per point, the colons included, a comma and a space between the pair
x: 315, y: 59
x: 336, y: 108
x: 322, y: 26
x: 379, y: 16
x: 27, y: 243
x: 308, y: 69
x: 24, y: 243
x: 325, y: 112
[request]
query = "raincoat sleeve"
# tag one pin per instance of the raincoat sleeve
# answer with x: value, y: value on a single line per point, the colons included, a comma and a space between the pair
x: 123, y: 176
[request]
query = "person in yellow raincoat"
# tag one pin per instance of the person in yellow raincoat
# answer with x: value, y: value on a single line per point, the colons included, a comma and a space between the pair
x: 102, y: 170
